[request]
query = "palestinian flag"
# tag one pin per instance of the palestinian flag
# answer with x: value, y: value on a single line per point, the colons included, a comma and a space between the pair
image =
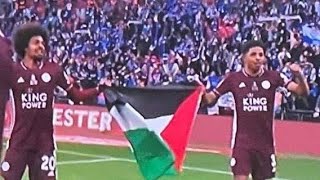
x: 157, y: 122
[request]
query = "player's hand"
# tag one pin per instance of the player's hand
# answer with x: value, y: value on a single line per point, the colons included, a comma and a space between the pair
x: 104, y: 83
x: 196, y: 79
x: 208, y: 98
x: 295, y: 68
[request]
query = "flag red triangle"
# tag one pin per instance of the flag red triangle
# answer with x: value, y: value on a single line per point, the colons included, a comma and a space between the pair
x: 178, y: 131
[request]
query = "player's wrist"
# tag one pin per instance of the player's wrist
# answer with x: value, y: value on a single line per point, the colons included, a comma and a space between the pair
x: 101, y: 87
x: 298, y: 75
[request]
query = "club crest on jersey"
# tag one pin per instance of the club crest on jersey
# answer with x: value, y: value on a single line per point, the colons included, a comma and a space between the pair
x: 46, y: 77
x: 266, y: 84
x: 33, y: 80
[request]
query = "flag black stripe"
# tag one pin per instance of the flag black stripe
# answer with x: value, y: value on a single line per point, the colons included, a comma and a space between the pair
x: 154, y: 101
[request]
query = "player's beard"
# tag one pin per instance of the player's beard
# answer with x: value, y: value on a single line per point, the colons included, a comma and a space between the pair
x: 39, y: 57
x: 256, y: 67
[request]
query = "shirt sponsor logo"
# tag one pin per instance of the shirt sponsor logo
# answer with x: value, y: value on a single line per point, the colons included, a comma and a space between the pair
x: 255, y: 104
x: 34, y: 100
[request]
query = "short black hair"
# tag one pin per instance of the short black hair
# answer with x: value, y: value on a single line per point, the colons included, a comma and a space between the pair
x: 250, y: 44
x: 24, y: 33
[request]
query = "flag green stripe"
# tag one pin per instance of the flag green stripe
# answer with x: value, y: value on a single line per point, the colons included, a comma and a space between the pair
x: 152, y: 155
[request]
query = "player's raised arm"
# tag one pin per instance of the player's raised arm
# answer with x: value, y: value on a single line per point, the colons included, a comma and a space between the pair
x: 76, y: 94
x: 299, y: 86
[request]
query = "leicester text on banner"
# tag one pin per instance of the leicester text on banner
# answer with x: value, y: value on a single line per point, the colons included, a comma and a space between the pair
x: 80, y: 124
x: 91, y: 118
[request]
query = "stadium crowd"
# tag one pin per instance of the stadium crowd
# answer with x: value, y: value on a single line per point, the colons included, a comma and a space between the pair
x: 156, y: 42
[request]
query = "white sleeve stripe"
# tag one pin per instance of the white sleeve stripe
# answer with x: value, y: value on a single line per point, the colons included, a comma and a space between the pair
x: 287, y: 83
x: 216, y: 92
x: 219, y: 84
x: 68, y: 89
x: 286, y: 80
x: 66, y: 77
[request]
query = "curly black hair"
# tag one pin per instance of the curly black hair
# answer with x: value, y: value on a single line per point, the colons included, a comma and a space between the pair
x: 24, y: 33
x: 250, y: 44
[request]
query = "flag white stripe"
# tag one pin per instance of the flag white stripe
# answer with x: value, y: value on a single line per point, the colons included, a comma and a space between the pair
x: 127, y: 117
x: 158, y: 124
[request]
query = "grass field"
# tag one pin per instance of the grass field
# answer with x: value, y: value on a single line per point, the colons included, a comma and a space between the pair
x: 86, y: 162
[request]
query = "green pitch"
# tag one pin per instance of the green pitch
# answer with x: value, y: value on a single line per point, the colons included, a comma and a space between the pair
x: 83, y: 162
